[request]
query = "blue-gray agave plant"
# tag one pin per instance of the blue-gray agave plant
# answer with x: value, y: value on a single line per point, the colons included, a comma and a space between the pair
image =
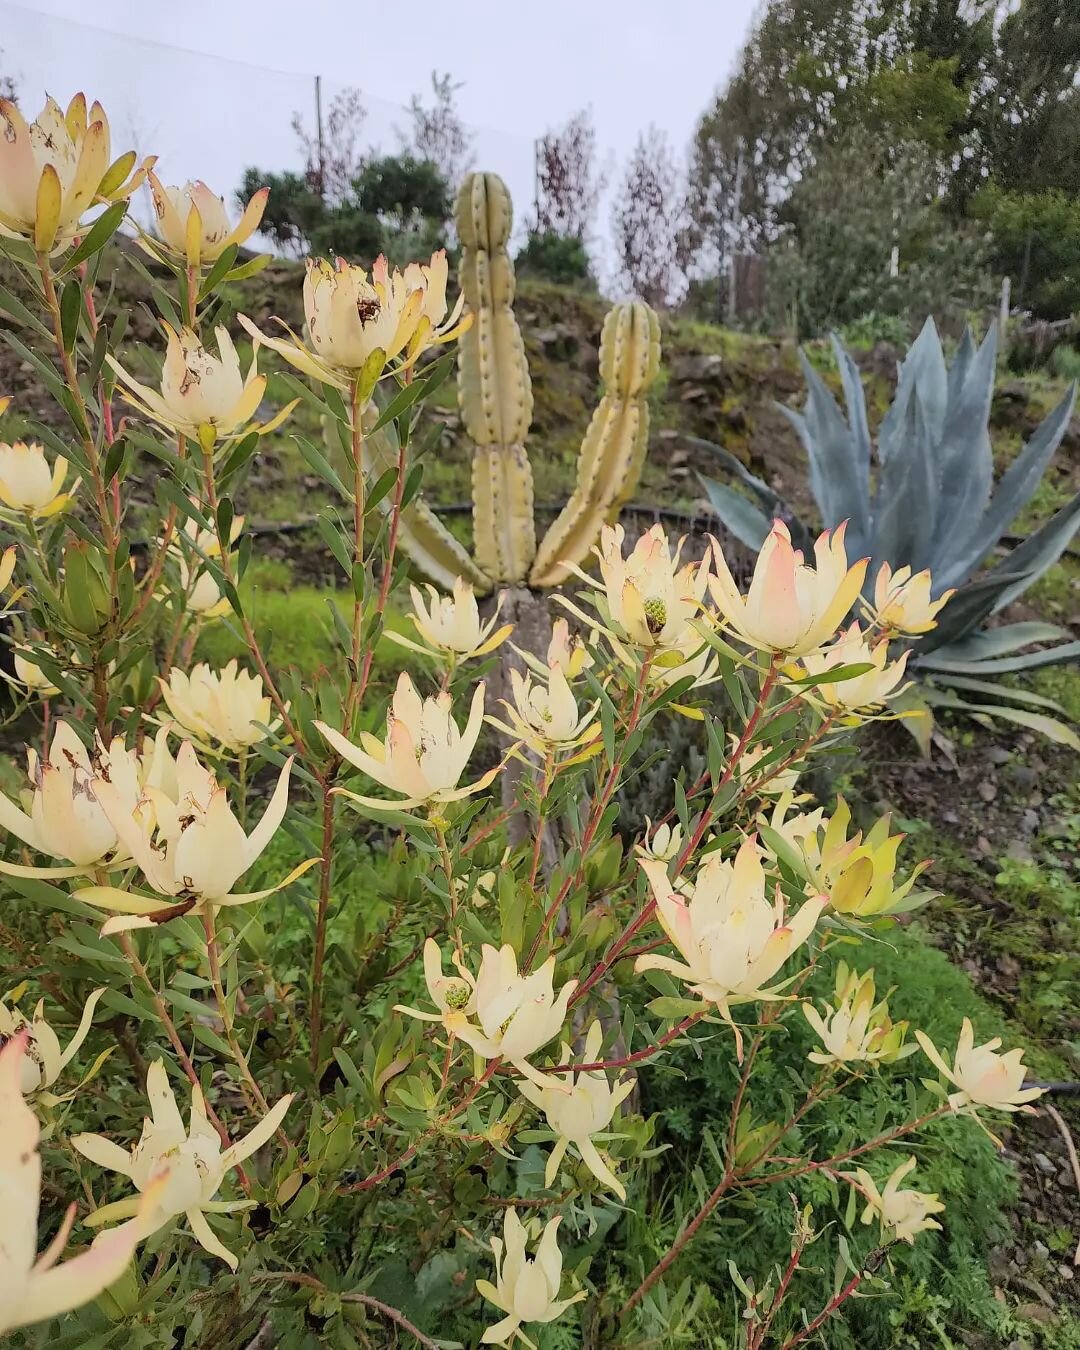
x: 928, y: 500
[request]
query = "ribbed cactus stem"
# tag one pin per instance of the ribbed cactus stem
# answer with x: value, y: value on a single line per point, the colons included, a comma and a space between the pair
x: 422, y: 536
x: 613, y: 451
x: 494, y: 389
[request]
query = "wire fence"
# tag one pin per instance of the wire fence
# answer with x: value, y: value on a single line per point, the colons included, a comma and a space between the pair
x: 209, y: 117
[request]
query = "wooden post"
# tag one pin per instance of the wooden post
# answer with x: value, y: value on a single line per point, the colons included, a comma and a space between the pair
x: 1004, y: 310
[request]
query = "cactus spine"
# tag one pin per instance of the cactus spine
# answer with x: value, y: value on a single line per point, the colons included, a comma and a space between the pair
x: 613, y: 451
x: 494, y: 389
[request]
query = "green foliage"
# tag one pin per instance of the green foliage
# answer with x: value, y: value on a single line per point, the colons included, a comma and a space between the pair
x: 1035, y: 241
x: 292, y: 212
x: 397, y: 205
x: 554, y: 257
x: 833, y: 263
x: 975, y: 1186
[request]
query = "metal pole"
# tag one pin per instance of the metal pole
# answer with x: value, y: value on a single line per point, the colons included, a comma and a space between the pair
x: 319, y: 135
x: 736, y: 209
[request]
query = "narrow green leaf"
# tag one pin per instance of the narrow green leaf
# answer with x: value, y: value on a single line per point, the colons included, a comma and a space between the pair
x: 97, y: 237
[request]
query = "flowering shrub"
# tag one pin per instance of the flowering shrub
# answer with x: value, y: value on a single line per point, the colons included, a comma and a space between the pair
x: 368, y: 1069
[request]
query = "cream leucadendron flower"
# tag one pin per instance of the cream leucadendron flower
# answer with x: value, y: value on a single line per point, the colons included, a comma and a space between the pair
x: 32, y: 1287
x: 663, y: 843
x: 424, y: 754
x: 449, y: 625
x: 650, y: 600
x: 30, y: 675
x: 858, y: 873
x: 351, y: 316
x: 902, y: 602
x: 63, y: 819
x: 733, y: 939
x: 770, y: 780
x: 858, y: 692
x: 8, y: 559
x: 189, y: 848
x: 517, y: 1014
x: 981, y: 1075
x: 202, y: 395
x: 200, y: 591
x: 57, y: 167
x: 227, y: 707
x: 44, y: 1060
x: 546, y: 716
x: 194, y: 224
x: 28, y: 487
x: 565, y: 650
x: 901, y: 1214
x: 576, y: 1115
x: 526, y: 1290
x: 196, y: 1162
x: 791, y: 607
x: 856, y: 1029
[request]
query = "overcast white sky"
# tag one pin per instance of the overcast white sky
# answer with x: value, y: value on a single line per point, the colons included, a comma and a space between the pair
x: 210, y: 85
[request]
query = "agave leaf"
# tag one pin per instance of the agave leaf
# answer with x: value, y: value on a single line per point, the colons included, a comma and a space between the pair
x: 1051, y: 727
x: 856, y: 410
x: 966, y: 610
x: 774, y: 505
x: 772, y: 501
x: 961, y: 364
x: 1017, y: 486
x: 839, y: 481
x: 1039, y: 551
x: 996, y: 689
x: 924, y: 369
x: 966, y: 461
x: 904, y: 510
x: 749, y: 525
x: 918, y: 720
x: 1060, y: 655
x: 993, y: 642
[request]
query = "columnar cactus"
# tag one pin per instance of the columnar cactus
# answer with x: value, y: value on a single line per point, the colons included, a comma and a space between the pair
x: 494, y: 389
x: 613, y: 451
x: 495, y: 396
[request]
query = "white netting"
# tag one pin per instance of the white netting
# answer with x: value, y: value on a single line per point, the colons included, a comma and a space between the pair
x: 207, y: 117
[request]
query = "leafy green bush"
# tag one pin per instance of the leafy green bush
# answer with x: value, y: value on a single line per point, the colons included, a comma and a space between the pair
x: 556, y: 257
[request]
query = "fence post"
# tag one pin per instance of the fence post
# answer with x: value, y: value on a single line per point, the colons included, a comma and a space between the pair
x: 1003, y: 313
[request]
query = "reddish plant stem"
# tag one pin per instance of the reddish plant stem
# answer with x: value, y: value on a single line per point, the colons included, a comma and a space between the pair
x: 595, y: 816
x: 755, y: 1338
x: 367, y: 1300
x: 376, y: 1177
x: 792, y: 759
x: 177, y: 1044
x: 826, y: 1312
x: 250, y: 637
x: 803, y: 1168
x: 321, y: 916
x: 645, y: 1053
x: 638, y: 922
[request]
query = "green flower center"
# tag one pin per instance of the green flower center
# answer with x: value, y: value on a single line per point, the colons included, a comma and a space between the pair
x: 655, y: 614
x: 457, y: 995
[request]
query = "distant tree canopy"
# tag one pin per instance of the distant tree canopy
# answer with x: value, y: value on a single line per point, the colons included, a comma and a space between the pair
x: 984, y: 95
x: 359, y: 204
